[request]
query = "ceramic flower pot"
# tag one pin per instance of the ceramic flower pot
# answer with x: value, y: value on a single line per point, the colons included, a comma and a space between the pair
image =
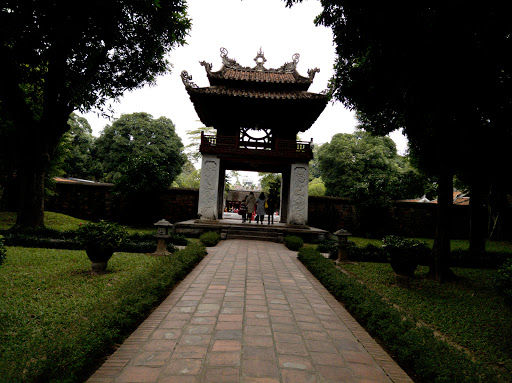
x: 99, y: 258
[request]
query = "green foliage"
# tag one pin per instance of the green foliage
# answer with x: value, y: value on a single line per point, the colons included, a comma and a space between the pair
x: 139, y: 141
x: 190, y: 177
x: 469, y: 311
x: 57, y: 322
x: 142, y: 175
x: 327, y: 246
x: 271, y: 185
x: 404, y: 254
x: 293, y: 242
x: 102, y: 234
x: 367, y: 169
x: 55, y: 239
x: 193, y: 153
x: 79, y: 161
x: 3, y: 250
x: 210, y: 238
x: 504, y: 280
x: 60, y: 60
x: 316, y: 187
x: 415, y: 347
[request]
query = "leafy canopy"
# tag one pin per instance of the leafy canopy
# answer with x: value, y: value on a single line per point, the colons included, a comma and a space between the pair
x: 91, y: 54
x: 367, y: 169
x: 138, y: 135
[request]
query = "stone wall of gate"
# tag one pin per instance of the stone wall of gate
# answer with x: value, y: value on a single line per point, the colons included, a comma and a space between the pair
x: 94, y: 201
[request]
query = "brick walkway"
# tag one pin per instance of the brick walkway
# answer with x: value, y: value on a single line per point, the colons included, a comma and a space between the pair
x: 250, y: 312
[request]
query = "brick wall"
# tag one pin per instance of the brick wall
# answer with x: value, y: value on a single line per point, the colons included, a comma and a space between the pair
x: 96, y: 201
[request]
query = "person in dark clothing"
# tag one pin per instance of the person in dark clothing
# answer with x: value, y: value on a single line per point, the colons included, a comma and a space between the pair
x: 243, y: 209
x: 271, y: 208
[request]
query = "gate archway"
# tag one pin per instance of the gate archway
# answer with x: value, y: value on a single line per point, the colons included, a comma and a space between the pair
x: 258, y: 113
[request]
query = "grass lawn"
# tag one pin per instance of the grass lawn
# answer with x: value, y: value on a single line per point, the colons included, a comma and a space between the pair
x: 51, y: 221
x: 469, y: 311
x: 57, y: 321
x: 62, y: 222
x: 455, y: 244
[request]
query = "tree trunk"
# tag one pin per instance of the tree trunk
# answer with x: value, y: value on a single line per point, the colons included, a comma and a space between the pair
x: 35, y: 146
x: 478, y: 222
x: 439, y: 264
x: 31, y: 178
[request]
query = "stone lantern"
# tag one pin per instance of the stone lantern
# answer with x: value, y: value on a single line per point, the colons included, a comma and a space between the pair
x: 342, y: 236
x: 162, y: 235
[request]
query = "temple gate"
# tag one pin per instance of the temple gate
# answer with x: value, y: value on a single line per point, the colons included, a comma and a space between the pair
x: 258, y: 113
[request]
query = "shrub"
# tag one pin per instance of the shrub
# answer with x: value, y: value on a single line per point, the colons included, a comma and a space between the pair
x: 210, y: 238
x: 404, y: 253
x: 328, y: 246
x: 3, y: 250
x: 368, y: 253
x: 293, y: 242
x: 504, y: 280
x: 55, y: 239
x: 102, y: 234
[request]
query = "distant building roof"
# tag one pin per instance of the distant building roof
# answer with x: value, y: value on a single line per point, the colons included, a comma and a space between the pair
x: 459, y: 198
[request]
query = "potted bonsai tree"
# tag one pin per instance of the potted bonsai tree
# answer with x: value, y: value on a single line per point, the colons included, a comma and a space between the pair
x: 403, y: 255
x: 100, y: 240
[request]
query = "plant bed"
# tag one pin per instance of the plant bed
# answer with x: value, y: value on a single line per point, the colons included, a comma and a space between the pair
x: 414, y: 347
x: 58, y: 323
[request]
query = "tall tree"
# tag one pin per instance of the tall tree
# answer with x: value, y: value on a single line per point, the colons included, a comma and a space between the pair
x: 79, y: 161
x: 57, y: 59
x: 139, y: 135
x: 368, y: 169
x: 440, y: 71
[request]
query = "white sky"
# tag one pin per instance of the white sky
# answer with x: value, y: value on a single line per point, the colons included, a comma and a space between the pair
x: 242, y: 27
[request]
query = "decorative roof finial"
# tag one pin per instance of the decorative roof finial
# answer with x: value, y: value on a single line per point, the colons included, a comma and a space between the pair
x: 230, y: 63
x: 260, y: 60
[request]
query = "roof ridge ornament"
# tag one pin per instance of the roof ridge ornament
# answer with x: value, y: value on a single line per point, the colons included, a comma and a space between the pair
x: 187, y: 80
x: 291, y: 66
x: 312, y: 72
x: 230, y: 63
x: 260, y: 60
x: 207, y: 66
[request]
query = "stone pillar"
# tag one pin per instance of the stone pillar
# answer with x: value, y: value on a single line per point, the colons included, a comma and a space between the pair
x: 222, y: 187
x: 285, y: 196
x: 298, y: 200
x: 209, y: 188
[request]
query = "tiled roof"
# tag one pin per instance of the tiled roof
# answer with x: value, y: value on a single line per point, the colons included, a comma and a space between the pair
x: 262, y: 94
x: 258, y: 76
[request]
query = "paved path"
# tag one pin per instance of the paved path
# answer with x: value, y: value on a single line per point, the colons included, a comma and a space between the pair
x: 250, y: 312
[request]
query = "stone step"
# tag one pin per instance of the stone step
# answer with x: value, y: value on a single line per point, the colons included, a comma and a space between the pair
x: 253, y: 237
x: 260, y: 233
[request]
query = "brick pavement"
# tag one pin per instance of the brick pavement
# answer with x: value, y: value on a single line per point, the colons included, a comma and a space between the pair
x: 250, y: 312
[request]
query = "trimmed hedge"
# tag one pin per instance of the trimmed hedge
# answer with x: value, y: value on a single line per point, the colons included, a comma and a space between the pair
x: 504, y: 281
x: 3, y: 250
x: 293, y: 242
x: 55, y: 239
x: 210, y: 238
x: 415, y: 348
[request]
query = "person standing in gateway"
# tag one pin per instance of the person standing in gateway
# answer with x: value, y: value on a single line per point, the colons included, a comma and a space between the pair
x: 251, y: 201
x: 260, y: 209
x: 271, y: 208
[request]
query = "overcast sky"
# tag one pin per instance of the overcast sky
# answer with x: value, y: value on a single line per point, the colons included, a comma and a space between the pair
x: 243, y: 27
